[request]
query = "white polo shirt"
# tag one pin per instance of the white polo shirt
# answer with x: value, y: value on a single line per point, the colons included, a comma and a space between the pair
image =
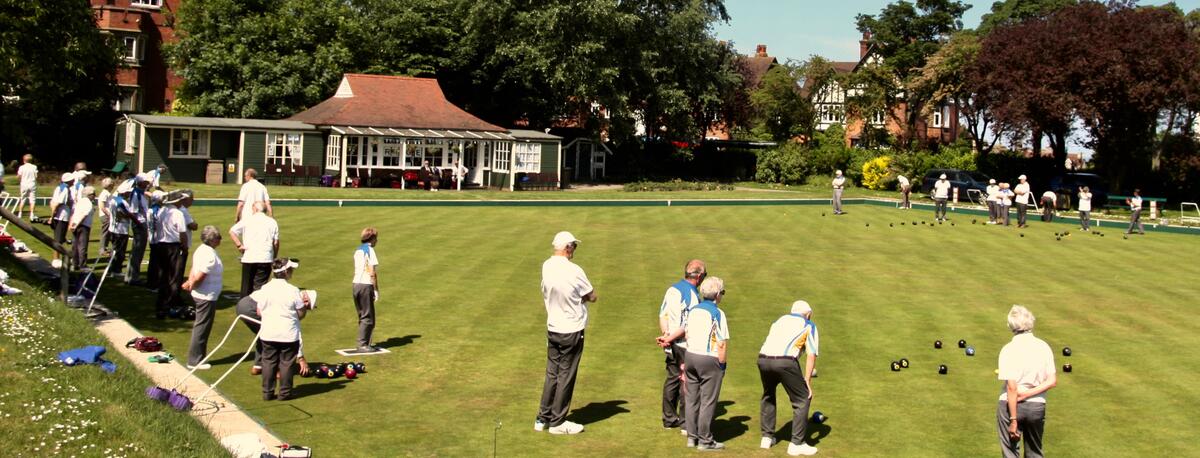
x: 118, y: 224
x: 903, y: 181
x: 993, y: 192
x: 62, y: 198
x: 678, y: 300
x: 1135, y: 203
x: 1027, y: 360
x: 791, y: 335
x: 1085, y: 201
x: 252, y: 191
x: 187, y: 223
x: 169, y: 225
x: 706, y: 327
x: 839, y: 182
x: 102, y: 200
x: 1006, y: 197
x: 1050, y: 195
x: 1022, y: 192
x: 278, y: 304
x: 28, y: 174
x: 81, y: 213
x: 563, y: 286
x: 941, y: 189
x: 363, y: 256
x: 206, y: 261
x: 258, y: 233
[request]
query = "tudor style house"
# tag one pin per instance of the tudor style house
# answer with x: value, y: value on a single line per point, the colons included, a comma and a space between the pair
x: 374, y: 131
x: 829, y: 103
x: 141, y: 27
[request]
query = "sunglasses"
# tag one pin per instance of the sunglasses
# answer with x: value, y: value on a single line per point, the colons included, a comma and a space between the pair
x: 722, y: 292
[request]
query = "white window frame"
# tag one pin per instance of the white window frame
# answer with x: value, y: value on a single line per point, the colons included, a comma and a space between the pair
x: 134, y: 94
x: 333, y: 152
x: 138, y: 53
x: 527, y: 157
x: 878, y: 118
x: 937, y: 118
x: 294, y: 151
x: 156, y: 4
x: 199, y: 143
x: 130, y: 137
x: 502, y: 156
x: 354, y: 151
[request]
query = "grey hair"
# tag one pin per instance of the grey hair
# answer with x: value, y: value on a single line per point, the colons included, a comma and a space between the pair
x: 106, y: 183
x: 694, y: 269
x: 711, y: 287
x: 259, y: 207
x: 209, y: 234
x: 1020, y: 320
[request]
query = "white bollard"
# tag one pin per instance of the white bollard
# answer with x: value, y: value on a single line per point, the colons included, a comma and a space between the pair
x: 956, y: 196
x: 1153, y: 210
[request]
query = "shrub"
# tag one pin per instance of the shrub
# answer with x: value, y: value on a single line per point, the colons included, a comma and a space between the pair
x: 787, y: 164
x: 676, y: 185
x: 877, y: 173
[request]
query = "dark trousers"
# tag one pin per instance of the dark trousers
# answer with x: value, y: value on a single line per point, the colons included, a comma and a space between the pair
x: 169, y: 273
x: 939, y: 207
x: 205, y: 310
x: 1135, y: 220
x: 254, y: 276
x: 563, y: 352
x: 993, y: 210
x: 120, y: 242
x: 904, y: 193
x: 60, y: 231
x: 104, y: 237
x: 154, y: 269
x: 787, y: 372
x: 279, y: 357
x: 1031, y: 422
x: 140, y: 236
x: 247, y: 307
x: 1005, y: 213
x: 364, y: 302
x: 1085, y: 220
x: 1022, y: 211
x: 79, y: 247
x: 704, y: 376
x: 673, y: 405
x: 1047, y: 210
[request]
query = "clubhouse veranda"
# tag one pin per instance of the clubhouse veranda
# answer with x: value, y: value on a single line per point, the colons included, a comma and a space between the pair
x: 374, y: 131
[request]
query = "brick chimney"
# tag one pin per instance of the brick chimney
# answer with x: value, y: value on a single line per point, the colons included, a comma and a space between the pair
x: 864, y: 44
x: 761, y: 51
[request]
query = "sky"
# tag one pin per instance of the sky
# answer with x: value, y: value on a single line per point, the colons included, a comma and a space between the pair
x: 797, y: 29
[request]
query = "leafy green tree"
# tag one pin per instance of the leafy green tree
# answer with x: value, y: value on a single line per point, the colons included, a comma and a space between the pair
x: 1009, y: 12
x: 57, y: 78
x: 946, y: 80
x: 783, y: 112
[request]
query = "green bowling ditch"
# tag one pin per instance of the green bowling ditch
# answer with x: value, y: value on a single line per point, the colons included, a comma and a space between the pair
x: 461, y: 312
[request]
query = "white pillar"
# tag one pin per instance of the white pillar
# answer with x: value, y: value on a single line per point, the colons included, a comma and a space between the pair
x: 345, y: 141
x: 403, y: 157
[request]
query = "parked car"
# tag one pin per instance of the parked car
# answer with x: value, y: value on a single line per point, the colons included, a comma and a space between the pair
x: 961, y: 179
x: 1069, y: 184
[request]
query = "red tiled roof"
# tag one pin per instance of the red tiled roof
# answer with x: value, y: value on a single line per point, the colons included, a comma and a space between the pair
x: 392, y: 101
x: 756, y: 68
x: 844, y: 67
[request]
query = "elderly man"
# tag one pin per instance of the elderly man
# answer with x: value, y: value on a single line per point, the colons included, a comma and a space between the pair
x: 139, y: 204
x: 1005, y: 203
x: 905, y: 192
x: 102, y: 199
x: 204, y: 283
x: 566, y: 291
x: 941, y: 193
x: 778, y: 363
x: 430, y: 175
x: 257, y: 238
x: 252, y: 192
x: 1135, y: 212
x: 281, y: 307
x: 120, y: 220
x: 170, y: 233
x: 839, y: 183
x: 993, y: 201
x: 1028, y: 371
x: 672, y: 315
x: 80, y: 227
x: 707, y: 332
x: 1023, y: 199
x: 365, y: 289
x: 28, y: 173
x: 60, y: 211
x: 1049, y: 201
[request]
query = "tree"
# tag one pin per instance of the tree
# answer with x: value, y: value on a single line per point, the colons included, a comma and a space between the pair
x: 779, y: 106
x: 57, y: 77
x: 905, y: 35
x: 1010, y: 12
x: 946, y: 79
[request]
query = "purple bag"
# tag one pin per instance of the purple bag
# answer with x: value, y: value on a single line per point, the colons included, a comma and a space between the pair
x: 158, y: 394
x: 179, y: 401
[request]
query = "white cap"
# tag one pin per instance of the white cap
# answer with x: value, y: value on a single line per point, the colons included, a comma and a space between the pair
x: 1022, y: 177
x: 942, y: 177
x: 290, y: 265
x: 992, y: 181
x: 144, y: 176
x: 125, y: 187
x: 82, y: 173
x: 839, y: 173
x: 562, y: 239
x: 88, y: 191
x: 68, y: 177
x: 312, y: 298
x: 801, y: 308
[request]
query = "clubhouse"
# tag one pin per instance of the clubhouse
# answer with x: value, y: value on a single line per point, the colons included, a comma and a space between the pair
x: 374, y: 131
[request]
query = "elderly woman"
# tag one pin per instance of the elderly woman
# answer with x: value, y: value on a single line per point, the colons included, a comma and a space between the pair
x: 281, y: 307
x: 1085, y: 208
x: 779, y: 363
x: 707, y: 333
x: 205, y: 284
x: 1027, y: 369
x: 106, y: 194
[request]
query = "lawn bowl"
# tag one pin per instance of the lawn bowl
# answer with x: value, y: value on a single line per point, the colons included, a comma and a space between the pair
x: 962, y: 343
x: 970, y: 351
x: 895, y: 366
x: 818, y: 417
x: 1066, y: 351
x: 937, y: 344
x: 942, y: 369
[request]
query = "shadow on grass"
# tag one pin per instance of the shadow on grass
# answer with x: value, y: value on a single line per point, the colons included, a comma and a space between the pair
x: 284, y: 412
x: 394, y: 342
x: 812, y: 434
x: 724, y: 429
x: 317, y: 387
x: 597, y: 411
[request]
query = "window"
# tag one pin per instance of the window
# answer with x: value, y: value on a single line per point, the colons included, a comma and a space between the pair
x: 353, y: 150
x: 527, y: 157
x: 333, y: 153
x: 470, y: 155
x: 285, y: 149
x: 128, y: 100
x: 487, y: 154
x: 392, y: 152
x: 878, y: 118
x: 937, y: 119
x: 131, y: 48
x: 433, y: 153
x: 146, y: 3
x: 415, y: 154
x: 503, y: 155
x: 130, y: 137
x: 189, y: 143
x: 830, y: 113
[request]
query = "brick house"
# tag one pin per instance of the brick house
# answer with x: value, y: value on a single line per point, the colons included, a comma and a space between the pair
x: 141, y: 27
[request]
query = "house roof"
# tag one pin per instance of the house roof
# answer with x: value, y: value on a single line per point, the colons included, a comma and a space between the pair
x: 844, y: 67
x: 757, y: 67
x: 398, y: 102
x: 219, y: 123
x: 522, y: 134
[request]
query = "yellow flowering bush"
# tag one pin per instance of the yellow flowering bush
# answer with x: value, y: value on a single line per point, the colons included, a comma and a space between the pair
x: 876, y: 173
